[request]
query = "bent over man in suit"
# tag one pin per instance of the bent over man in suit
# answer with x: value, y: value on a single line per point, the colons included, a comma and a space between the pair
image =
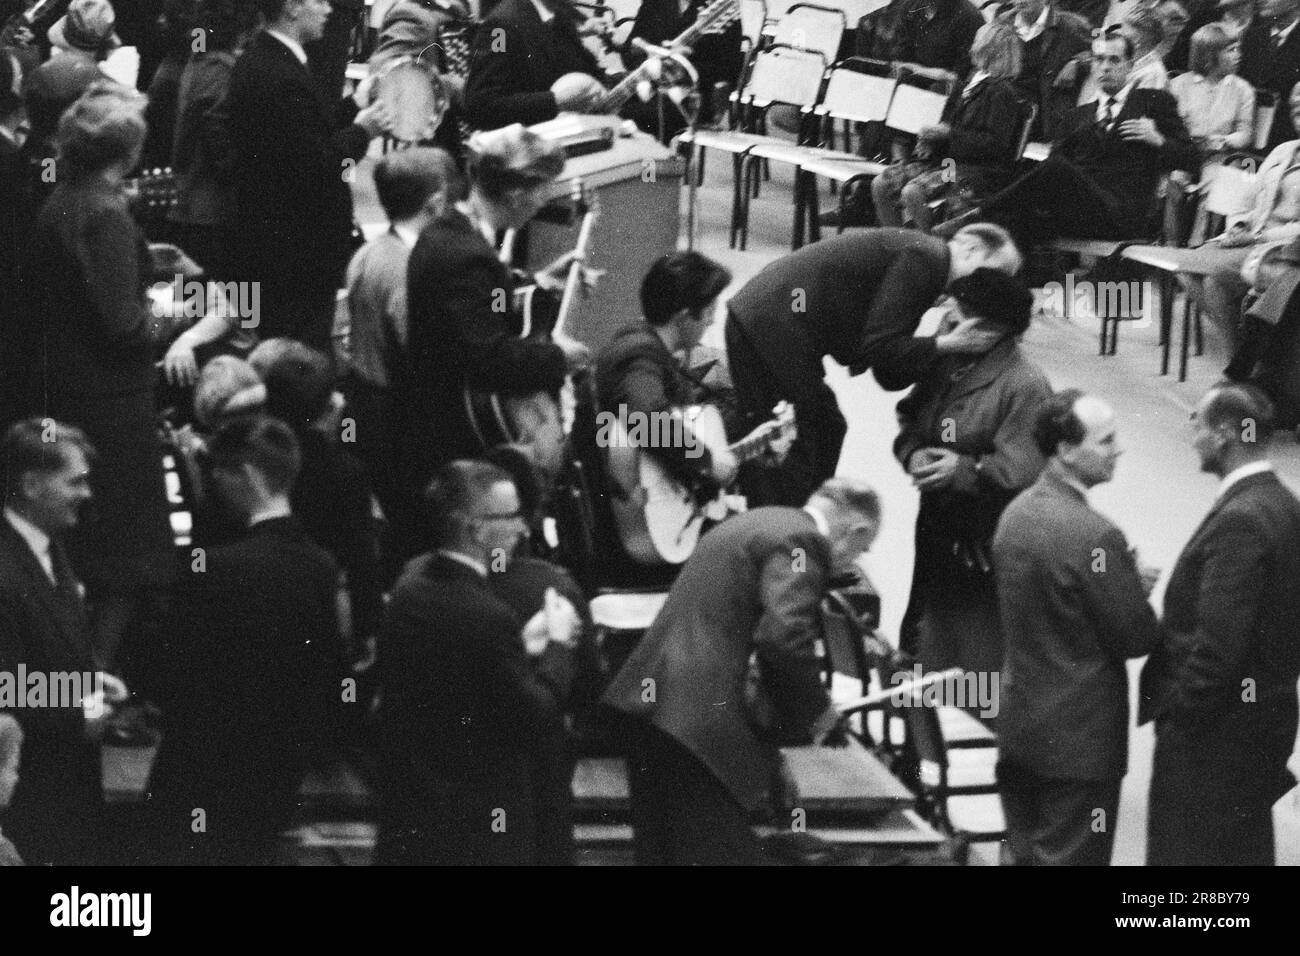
x: 1221, y: 686
x: 749, y: 598
x: 1074, y: 609
x: 857, y: 297
x: 292, y: 153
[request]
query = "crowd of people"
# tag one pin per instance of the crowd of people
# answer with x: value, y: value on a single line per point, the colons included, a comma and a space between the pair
x: 399, y: 501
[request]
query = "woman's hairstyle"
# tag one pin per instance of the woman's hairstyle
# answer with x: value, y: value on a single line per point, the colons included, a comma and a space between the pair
x: 104, y: 127
x: 227, y: 386
x: 681, y: 280
x: 502, y: 160
x: 996, y: 297
x: 1207, y: 43
x: 997, y: 50
x: 1146, y: 26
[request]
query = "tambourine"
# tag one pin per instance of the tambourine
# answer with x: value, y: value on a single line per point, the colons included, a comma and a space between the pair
x: 416, y: 98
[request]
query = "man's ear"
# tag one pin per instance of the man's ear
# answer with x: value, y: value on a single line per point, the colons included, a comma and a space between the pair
x: 31, y: 484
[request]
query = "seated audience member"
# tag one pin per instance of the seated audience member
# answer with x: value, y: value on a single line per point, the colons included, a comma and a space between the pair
x: 246, y: 668
x: 56, y: 813
x: 463, y: 330
x: 1050, y: 75
x: 1063, y: 729
x: 1266, y: 346
x: 1142, y: 28
x: 733, y: 672
x: 11, y: 752
x: 529, y: 64
x: 936, y: 35
x: 1272, y: 221
x: 331, y: 496
x: 966, y: 437
x: 471, y: 694
x: 415, y: 187
x: 1270, y: 60
x: 178, y: 22
x: 200, y: 152
x: 979, y: 132
x: 1100, y: 180
x: 81, y: 38
x: 1174, y: 20
x: 1236, y: 16
x: 1217, y: 106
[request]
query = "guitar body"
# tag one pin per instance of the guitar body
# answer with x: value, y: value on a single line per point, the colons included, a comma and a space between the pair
x: 659, y: 519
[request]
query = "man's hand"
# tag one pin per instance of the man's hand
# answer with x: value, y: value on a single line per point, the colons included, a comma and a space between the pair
x: 1142, y: 130
x: 1236, y: 237
x: 179, y: 364
x: 576, y: 355
x: 556, y: 622
x: 938, y: 473
x: 967, y: 338
x: 577, y: 92
x: 375, y: 119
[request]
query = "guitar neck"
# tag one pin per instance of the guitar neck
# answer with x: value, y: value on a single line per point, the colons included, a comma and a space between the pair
x: 751, y: 447
x: 720, y: 11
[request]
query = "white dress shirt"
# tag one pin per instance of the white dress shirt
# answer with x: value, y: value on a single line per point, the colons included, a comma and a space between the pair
x: 477, y: 567
x: 543, y: 11
x: 819, y: 519
x: 294, y: 46
x: 1031, y: 31
x: 36, y: 539
x: 1238, y: 474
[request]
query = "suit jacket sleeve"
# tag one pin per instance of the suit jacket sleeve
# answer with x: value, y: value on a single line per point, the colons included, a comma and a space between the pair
x: 108, y: 251
x: 888, y: 346
x: 1178, y: 151
x: 991, y: 134
x: 1126, y: 624
x: 790, y: 592
x: 517, y: 697
x: 491, y: 100
x: 1015, y: 460
x: 497, y: 359
x: 1234, y: 576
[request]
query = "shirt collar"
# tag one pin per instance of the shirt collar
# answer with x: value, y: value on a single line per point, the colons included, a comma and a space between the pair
x: 1239, y: 474
x: 1028, y: 31
x: 819, y: 519
x: 36, y: 539
x: 1118, y: 98
x: 280, y: 509
x: 408, y: 235
x: 294, y: 46
x: 478, y: 567
x: 976, y: 78
x: 544, y: 11
x: 1281, y: 35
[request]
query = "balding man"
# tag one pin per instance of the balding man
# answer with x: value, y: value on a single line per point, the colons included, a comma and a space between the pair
x: 1074, y: 610
x: 1221, y: 686
x: 857, y: 297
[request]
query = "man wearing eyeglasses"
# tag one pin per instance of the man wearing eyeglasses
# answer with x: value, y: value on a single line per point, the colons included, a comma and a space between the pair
x: 469, y: 691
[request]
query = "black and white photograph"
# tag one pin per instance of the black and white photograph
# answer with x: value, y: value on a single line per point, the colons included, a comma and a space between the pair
x: 844, y: 433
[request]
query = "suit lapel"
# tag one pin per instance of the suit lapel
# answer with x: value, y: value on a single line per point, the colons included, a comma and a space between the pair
x: 67, y: 609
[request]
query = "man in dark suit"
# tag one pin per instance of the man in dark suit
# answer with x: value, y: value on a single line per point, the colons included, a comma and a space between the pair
x: 464, y: 711
x: 528, y: 64
x: 728, y: 670
x: 17, y: 202
x: 1270, y: 59
x: 1074, y: 609
x: 1100, y: 180
x: 246, y: 669
x: 57, y: 812
x: 294, y: 152
x: 1052, y: 38
x: 1221, y: 686
x: 857, y: 297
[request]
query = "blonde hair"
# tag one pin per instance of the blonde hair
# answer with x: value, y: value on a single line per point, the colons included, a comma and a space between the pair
x: 105, y: 126
x: 997, y: 50
x: 512, y: 157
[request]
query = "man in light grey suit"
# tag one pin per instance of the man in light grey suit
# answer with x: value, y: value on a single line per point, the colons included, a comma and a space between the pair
x: 706, y: 738
x: 1074, y: 609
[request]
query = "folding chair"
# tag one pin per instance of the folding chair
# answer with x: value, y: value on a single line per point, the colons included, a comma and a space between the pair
x: 778, y: 75
x: 807, y: 26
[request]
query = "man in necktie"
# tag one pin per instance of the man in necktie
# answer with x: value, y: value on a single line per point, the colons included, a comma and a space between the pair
x: 55, y: 816
x: 1270, y: 58
x: 1100, y: 180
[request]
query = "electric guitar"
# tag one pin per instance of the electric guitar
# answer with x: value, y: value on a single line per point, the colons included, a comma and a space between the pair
x: 658, y: 518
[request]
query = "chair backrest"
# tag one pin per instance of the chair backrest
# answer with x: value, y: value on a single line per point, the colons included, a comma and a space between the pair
x: 810, y: 27
x: 1230, y: 191
x: 753, y: 17
x: 784, y: 75
x: 857, y: 97
x: 913, y: 108
x: 1265, y: 109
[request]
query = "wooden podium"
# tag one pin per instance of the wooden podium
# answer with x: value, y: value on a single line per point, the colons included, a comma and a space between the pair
x: 637, y: 185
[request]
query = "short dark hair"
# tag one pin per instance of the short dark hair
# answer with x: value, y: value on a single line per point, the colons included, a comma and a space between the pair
x: 995, y: 296
x: 406, y: 178
x: 1234, y: 404
x: 1112, y: 34
x: 40, y: 445
x: 681, y: 280
x: 222, y: 21
x: 450, y: 497
x: 299, y: 382
x: 1058, y: 422
x: 272, y: 10
x: 262, y: 441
